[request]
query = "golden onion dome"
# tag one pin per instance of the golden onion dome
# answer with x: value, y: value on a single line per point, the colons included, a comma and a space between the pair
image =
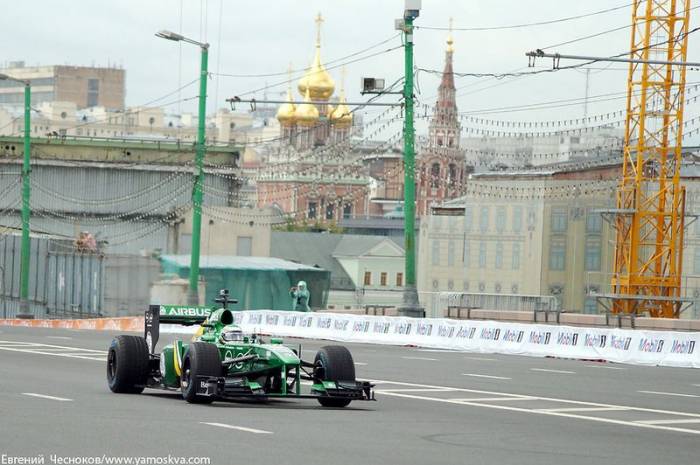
x: 317, y: 80
x: 341, y: 115
x: 306, y: 113
x: 286, y: 112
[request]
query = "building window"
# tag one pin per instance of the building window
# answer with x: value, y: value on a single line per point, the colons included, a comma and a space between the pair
x: 484, y: 219
x: 451, y: 253
x: 399, y: 279
x: 465, y: 286
x: 514, y: 289
x: 452, y: 175
x: 382, y: 278
x: 93, y: 92
x: 497, y: 288
x: 696, y: 261
x: 482, y: 255
x: 436, y: 253
x: 347, y: 211
x: 594, y: 223
x: 244, y: 246
x: 557, y: 256
x: 312, y: 209
x: 517, y: 219
x: 559, y: 220
x: 499, y: 255
x: 368, y: 278
x: 466, y: 253
x: 435, y: 175
x: 515, y: 264
x: 330, y: 211
x: 592, y: 258
x: 468, y: 218
x: 436, y: 284
x: 500, y: 219
x: 450, y: 285
x: 590, y: 305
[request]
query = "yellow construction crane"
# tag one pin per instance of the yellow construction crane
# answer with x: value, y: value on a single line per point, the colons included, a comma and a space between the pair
x: 650, y: 214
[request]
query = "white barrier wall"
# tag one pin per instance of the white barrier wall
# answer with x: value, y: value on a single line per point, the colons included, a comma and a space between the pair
x: 665, y: 348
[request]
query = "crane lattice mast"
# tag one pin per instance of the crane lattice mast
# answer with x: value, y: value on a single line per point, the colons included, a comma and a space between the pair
x: 650, y: 214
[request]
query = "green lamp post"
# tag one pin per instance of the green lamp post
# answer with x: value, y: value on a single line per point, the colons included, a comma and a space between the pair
x: 197, y: 191
x: 24, y: 311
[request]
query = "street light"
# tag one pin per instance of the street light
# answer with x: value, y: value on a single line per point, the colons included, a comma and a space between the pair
x: 24, y: 311
x: 193, y: 294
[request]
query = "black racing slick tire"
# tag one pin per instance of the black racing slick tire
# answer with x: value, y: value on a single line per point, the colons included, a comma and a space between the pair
x: 334, y: 363
x: 201, y: 359
x: 127, y: 364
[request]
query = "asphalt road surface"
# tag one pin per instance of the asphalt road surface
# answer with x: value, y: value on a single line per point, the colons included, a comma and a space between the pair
x: 433, y: 407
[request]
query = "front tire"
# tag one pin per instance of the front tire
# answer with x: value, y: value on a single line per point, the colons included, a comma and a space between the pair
x: 334, y: 363
x: 201, y: 359
x: 127, y: 364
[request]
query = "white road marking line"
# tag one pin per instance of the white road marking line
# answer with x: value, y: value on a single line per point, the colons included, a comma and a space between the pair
x: 540, y: 412
x: 696, y: 385
x: 476, y: 375
x: 418, y: 390
x: 547, y: 370
x: 59, y: 337
x: 494, y: 399
x: 437, y: 350
x: 583, y: 409
x: 360, y: 364
x: 550, y: 399
x: 676, y: 394
x: 482, y: 359
x: 421, y: 358
x: 240, y: 428
x: 44, y: 396
x: 604, y: 366
x: 86, y: 356
x: 668, y: 422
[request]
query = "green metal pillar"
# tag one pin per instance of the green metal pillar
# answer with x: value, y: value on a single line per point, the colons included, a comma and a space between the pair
x: 24, y: 311
x: 410, y: 305
x: 197, y: 191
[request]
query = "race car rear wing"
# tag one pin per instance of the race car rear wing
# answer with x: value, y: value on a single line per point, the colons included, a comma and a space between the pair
x: 171, y: 314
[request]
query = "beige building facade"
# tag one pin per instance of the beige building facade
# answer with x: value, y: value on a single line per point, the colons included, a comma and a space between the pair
x: 546, y: 237
x: 82, y: 85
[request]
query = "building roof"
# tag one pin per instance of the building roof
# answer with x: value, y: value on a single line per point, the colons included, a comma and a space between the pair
x: 322, y: 249
x: 228, y: 262
x: 312, y: 249
x: 355, y: 245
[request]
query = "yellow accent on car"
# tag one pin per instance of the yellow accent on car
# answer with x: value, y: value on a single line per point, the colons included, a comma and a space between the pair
x: 176, y: 358
x: 198, y: 333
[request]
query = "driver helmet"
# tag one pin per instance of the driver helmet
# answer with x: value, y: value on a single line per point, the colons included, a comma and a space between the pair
x: 302, y: 285
x: 231, y: 333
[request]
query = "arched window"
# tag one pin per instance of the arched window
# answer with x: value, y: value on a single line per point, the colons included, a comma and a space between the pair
x: 435, y: 176
x: 452, y: 174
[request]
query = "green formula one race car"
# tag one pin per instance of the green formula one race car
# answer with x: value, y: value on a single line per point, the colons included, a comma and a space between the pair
x: 223, y: 362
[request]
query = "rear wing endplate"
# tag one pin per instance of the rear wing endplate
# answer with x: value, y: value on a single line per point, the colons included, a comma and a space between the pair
x: 171, y: 314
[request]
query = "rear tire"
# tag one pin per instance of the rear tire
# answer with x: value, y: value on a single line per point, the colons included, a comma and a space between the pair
x: 127, y: 364
x: 334, y: 363
x: 201, y: 359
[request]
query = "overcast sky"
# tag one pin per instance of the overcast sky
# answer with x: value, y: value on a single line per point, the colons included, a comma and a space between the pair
x: 259, y: 37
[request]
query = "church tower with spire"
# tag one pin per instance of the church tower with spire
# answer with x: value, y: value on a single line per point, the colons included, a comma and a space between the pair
x: 314, y: 122
x: 441, y: 164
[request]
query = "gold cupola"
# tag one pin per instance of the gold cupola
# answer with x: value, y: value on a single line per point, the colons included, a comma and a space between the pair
x: 317, y: 80
x: 286, y: 112
x: 341, y: 116
x: 306, y: 113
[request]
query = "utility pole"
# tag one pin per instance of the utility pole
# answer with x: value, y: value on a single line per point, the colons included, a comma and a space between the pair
x: 197, y: 191
x: 24, y: 311
x: 410, y: 305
